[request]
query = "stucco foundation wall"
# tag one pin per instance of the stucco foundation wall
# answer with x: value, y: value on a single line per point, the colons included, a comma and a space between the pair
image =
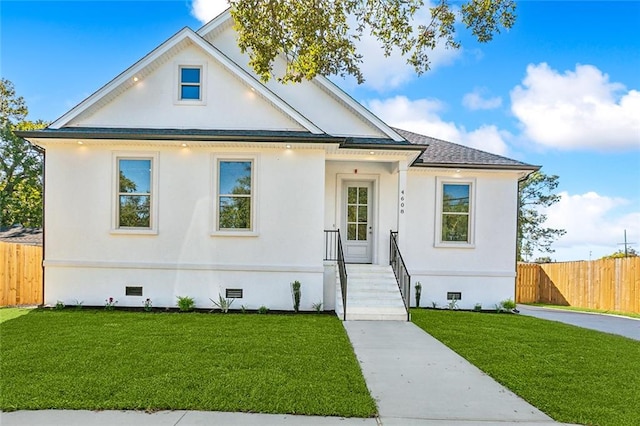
x: 85, y: 260
x: 486, y: 290
x: 93, y: 285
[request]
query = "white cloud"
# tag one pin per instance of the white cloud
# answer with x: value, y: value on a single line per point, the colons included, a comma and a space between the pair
x: 475, y: 100
x: 579, y: 109
x: 206, y: 10
x: 421, y: 116
x: 593, y: 224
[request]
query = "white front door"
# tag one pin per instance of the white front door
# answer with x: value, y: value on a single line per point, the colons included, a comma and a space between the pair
x: 358, y: 221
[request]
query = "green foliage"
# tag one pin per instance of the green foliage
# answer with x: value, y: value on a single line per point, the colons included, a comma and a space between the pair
x: 186, y: 303
x: 320, y: 37
x: 148, y: 305
x: 574, y: 375
x: 418, y: 288
x: 233, y: 363
x: 620, y: 254
x: 317, y: 307
x: 508, y: 304
x: 453, y: 304
x: 20, y: 163
x: 59, y: 305
x: 78, y: 304
x: 263, y: 310
x: 296, y: 293
x: 477, y: 307
x: 222, y: 303
x: 110, y: 304
x: 535, y: 192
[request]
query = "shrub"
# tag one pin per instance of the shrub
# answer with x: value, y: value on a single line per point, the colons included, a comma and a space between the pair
x: 296, y: 293
x: 186, y: 303
x: 222, y: 303
x: 263, y: 309
x: 418, y: 288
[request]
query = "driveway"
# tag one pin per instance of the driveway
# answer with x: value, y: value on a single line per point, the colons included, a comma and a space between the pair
x: 623, y: 326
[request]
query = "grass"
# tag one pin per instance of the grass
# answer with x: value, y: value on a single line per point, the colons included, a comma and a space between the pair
x: 578, y: 309
x: 572, y: 374
x: 98, y: 360
x: 7, y: 314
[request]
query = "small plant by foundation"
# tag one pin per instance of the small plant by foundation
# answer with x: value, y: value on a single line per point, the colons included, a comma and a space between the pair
x: 434, y: 305
x: 508, y: 304
x: 453, y: 304
x: 148, y: 306
x: 296, y: 293
x: 243, y: 309
x: 263, y: 309
x: 110, y: 304
x: 317, y: 307
x: 78, y: 304
x: 222, y: 303
x: 477, y: 307
x: 418, y: 288
x: 59, y: 305
x: 186, y: 303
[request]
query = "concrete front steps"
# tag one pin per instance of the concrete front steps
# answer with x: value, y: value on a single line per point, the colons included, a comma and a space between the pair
x: 372, y: 294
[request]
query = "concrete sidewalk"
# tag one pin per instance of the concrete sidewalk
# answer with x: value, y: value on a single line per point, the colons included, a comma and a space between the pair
x: 416, y: 380
x: 613, y: 324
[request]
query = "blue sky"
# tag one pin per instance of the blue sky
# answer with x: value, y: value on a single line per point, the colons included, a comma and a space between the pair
x: 561, y: 89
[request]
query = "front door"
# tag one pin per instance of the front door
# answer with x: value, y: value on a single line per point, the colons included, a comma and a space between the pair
x: 357, y: 222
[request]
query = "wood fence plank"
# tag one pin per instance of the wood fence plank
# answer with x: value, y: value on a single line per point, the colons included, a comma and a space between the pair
x: 609, y: 284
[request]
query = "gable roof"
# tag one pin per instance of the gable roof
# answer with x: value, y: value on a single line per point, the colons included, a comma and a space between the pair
x: 440, y: 153
x: 147, y: 64
x: 224, y: 19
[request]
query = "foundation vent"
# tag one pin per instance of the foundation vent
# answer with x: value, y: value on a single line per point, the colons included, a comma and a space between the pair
x: 233, y: 293
x: 454, y: 295
x: 133, y: 291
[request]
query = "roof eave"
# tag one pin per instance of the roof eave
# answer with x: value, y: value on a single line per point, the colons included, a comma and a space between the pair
x: 516, y: 167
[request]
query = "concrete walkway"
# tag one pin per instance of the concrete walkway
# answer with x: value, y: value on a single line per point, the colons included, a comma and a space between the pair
x: 416, y: 381
x: 614, y: 324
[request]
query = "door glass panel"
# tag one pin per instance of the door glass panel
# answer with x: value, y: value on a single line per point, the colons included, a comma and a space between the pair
x: 351, y: 213
x: 353, y: 195
x: 362, y: 214
x: 362, y: 232
x: 362, y: 195
x: 351, y: 231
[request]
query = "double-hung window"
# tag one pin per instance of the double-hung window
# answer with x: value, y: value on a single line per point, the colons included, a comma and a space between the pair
x: 190, y: 83
x: 235, y: 195
x: 135, y: 193
x: 455, y: 218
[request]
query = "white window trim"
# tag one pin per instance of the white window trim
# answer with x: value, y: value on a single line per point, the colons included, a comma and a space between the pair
x: 440, y: 182
x: 177, y: 82
x: 115, y: 203
x: 215, y: 159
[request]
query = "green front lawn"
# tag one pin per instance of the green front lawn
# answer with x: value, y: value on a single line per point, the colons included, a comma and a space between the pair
x: 572, y: 374
x: 98, y: 360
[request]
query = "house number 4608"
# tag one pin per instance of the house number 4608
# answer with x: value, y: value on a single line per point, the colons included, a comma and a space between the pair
x: 402, y: 201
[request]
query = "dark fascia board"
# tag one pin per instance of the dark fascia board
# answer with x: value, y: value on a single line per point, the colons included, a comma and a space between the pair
x: 176, y: 135
x: 216, y: 135
x: 523, y: 167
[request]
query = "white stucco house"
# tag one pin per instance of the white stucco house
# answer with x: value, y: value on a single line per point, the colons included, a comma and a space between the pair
x: 187, y: 176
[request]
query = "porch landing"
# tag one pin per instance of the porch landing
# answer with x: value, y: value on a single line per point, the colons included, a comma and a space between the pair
x: 372, y: 294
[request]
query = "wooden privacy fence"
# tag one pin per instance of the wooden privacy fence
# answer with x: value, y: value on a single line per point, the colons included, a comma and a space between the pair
x: 609, y: 284
x: 20, y: 274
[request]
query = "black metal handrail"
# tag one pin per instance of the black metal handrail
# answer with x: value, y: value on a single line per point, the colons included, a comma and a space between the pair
x: 400, y: 270
x: 333, y: 252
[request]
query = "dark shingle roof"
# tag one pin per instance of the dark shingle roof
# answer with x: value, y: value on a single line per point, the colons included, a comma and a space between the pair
x: 21, y: 235
x: 441, y: 153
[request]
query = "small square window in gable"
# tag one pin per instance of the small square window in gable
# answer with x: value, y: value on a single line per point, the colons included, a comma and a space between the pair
x: 190, y: 83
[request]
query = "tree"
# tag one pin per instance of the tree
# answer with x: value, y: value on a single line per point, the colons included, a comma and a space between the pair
x: 20, y: 163
x: 631, y: 252
x: 320, y: 36
x: 534, y: 192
